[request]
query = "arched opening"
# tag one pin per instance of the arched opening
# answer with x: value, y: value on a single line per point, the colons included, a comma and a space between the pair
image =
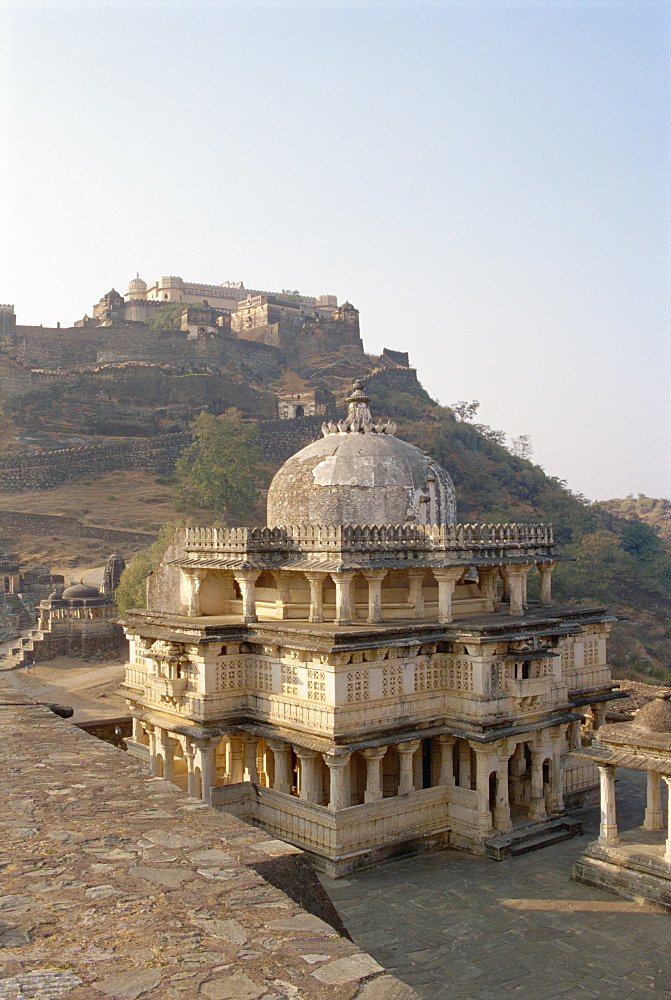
x: 300, y: 412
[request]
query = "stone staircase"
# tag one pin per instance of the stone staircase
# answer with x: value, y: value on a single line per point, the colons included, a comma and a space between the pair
x: 15, y: 652
x: 532, y: 836
x: 13, y: 605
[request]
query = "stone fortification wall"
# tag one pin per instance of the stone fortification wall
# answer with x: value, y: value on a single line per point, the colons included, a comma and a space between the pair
x: 278, y: 440
x: 75, y: 346
x: 45, y: 470
x: 17, y: 522
x: 393, y: 378
x: 176, y: 904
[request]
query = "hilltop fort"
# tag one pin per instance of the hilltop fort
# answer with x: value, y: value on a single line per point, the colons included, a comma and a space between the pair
x: 78, y: 398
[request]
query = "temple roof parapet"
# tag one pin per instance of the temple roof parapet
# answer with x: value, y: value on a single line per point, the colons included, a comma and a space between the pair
x: 430, y: 544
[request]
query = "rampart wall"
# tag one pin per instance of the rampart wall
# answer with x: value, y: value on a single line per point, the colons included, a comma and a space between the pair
x: 48, y: 469
x: 75, y: 346
x: 18, y: 522
x: 394, y: 379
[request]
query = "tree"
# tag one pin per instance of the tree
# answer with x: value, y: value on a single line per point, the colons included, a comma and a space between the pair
x: 167, y: 317
x: 465, y: 410
x: 132, y: 589
x: 520, y: 446
x: 219, y: 470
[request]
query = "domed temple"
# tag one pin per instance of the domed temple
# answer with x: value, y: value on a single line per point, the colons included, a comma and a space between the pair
x: 365, y: 676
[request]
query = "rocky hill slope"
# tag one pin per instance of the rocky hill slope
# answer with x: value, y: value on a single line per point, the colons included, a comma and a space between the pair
x: 66, y: 393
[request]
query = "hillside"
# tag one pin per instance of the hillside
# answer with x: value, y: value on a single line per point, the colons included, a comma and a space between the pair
x: 655, y: 512
x: 618, y: 558
x: 121, y: 401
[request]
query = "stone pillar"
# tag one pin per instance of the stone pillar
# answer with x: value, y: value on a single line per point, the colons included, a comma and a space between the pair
x: 373, y: 756
x: 206, y: 753
x: 464, y: 765
x: 654, y: 820
x: 537, y: 805
x: 406, y: 757
x: 375, y: 578
x: 250, y: 772
x: 153, y: 749
x: 502, y: 819
x: 307, y: 776
x: 191, y: 778
x: 195, y: 577
x: 488, y: 577
x: 237, y: 760
x: 447, y: 580
x: 168, y: 746
x: 446, y: 744
x: 556, y: 781
x: 138, y: 731
x: 515, y: 578
x: 608, y: 830
x: 343, y: 597
x: 575, y: 735
x: 598, y: 711
x: 282, y: 755
x: 667, y: 851
x: 316, y: 581
x: 415, y: 592
x: 546, y: 569
x: 245, y: 579
x: 483, y: 767
x: 338, y: 765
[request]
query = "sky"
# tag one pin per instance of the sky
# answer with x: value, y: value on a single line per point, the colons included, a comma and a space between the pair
x: 488, y: 182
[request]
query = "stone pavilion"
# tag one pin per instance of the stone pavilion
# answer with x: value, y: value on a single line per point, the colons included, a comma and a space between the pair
x: 363, y: 675
x: 636, y: 864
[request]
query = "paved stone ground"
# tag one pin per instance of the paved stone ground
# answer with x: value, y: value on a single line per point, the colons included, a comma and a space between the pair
x: 114, y: 884
x: 456, y: 927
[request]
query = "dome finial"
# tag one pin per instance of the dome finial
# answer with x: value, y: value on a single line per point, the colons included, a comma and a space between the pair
x: 358, y: 419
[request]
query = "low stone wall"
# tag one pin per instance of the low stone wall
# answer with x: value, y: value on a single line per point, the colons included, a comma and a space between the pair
x: 16, y: 522
x: 119, y: 885
x: 47, y: 469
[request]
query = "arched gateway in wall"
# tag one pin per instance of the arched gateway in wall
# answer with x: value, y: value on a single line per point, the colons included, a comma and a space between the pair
x: 363, y: 673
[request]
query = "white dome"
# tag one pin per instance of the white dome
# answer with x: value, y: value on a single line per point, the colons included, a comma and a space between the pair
x: 137, y: 288
x: 359, y: 473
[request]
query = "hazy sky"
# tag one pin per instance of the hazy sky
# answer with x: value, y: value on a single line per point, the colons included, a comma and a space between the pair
x: 487, y: 182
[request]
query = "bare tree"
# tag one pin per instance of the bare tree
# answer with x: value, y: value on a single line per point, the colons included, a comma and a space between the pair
x: 465, y: 410
x: 520, y: 446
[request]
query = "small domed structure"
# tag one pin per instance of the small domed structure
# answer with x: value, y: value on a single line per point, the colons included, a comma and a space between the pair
x: 359, y: 473
x: 137, y: 288
x: 655, y: 715
x: 80, y: 592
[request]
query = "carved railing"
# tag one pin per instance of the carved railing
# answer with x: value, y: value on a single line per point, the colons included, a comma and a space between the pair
x: 473, y: 539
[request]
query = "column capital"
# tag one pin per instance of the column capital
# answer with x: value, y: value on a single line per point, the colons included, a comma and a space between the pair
x: 304, y: 754
x: 374, y: 753
x: 336, y: 760
x: 374, y: 574
x: 408, y: 746
x: 315, y: 574
x: 277, y: 745
x: 248, y: 575
x: 448, y: 574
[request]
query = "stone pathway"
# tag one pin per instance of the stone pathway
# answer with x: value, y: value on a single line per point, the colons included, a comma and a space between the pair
x: 114, y: 884
x: 456, y: 927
